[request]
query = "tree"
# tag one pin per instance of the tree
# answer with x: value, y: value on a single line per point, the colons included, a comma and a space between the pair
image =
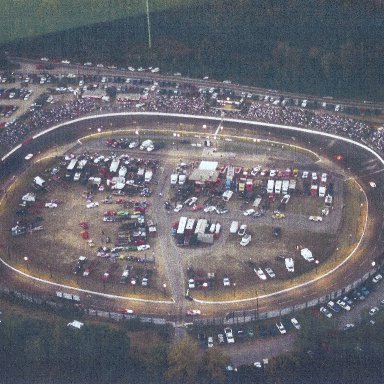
x: 183, y: 359
x: 157, y: 361
x: 213, y: 365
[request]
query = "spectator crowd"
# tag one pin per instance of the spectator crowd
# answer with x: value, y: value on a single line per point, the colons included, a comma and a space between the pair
x: 22, y: 128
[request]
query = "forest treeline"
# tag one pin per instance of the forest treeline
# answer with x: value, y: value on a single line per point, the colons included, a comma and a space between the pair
x: 317, y: 47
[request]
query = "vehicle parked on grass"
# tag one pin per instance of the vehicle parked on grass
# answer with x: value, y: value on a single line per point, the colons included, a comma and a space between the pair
x: 210, y: 341
x: 325, y: 312
x: 270, y: 272
x: 193, y: 312
x: 333, y: 306
x: 260, y: 273
x: 226, y: 282
x: 295, y: 323
x: 281, y: 328
x: 249, y: 212
x: 93, y: 204
x: 373, y: 311
x: 242, y: 230
x: 343, y: 304
x: 229, y: 335
x: 377, y: 278
x: 245, y: 240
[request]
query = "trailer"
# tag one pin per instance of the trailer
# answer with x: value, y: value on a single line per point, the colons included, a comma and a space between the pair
x: 201, y: 226
x: 114, y: 165
x: 148, y: 175
x: 206, y: 238
x: 190, y: 225
x: 39, y: 181
x: 270, y: 186
x: 234, y: 227
x: 257, y: 202
x: 123, y: 171
x: 241, y: 185
x: 249, y: 185
x: 81, y: 164
x: 322, y: 190
x: 182, y: 224
x: 174, y: 178
x: 278, y: 186
x: 292, y: 186
x: 71, y: 165
x: 285, y: 186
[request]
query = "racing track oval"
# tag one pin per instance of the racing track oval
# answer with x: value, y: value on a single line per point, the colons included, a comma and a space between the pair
x: 78, y: 127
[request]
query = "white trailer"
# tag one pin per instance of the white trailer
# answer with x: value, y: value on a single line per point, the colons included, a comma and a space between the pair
x: 270, y: 186
x: 148, y: 175
x: 39, y: 181
x: 190, y: 225
x: 278, y: 185
x: 285, y: 186
x: 201, y: 226
x: 174, y: 178
x: 71, y: 165
x: 292, y: 185
x: 182, y: 224
x: 114, y: 165
x: 234, y: 227
x: 257, y: 202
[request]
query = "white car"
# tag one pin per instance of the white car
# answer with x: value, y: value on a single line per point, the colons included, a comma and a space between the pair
x: 210, y: 341
x: 260, y: 273
x: 226, y: 282
x: 133, y: 144
x: 93, y: 204
x: 191, y: 283
x: 281, y: 328
x: 143, y: 247
x: 229, y: 335
x: 324, y: 177
x: 314, y: 176
x: 65, y: 62
x: 373, y: 311
x: 50, y: 205
x: 193, y: 312
x: 295, y: 323
x: 209, y: 208
x: 325, y: 312
x: 272, y: 173
x: 249, y: 212
x: 242, y: 230
x: 305, y: 175
x: 270, y: 272
x: 246, y: 239
x: 348, y: 326
x: 343, y: 305
x: 377, y: 278
x: 178, y: 208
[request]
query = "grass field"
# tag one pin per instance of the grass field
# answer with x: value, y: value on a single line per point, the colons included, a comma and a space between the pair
x: 28, y: 18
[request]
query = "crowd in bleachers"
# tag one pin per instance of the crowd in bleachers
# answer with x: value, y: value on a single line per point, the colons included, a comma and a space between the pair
x: 325, y: 121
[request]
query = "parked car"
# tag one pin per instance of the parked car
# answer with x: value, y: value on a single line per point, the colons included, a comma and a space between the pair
x: 325, y: 312
x: 246, y: 239
x: 220, y: 338
x: 281, y: 328
x: 210, y: 341
x: 193, y: 312
x: 270, y: 272
x: 226, y: 282
x: 242, y: 230
x: 373, y: 311
x: 295, y: 323
x: 377, y: 278
x: 343, y: 304
x: 93, y: 204
x: 333, y: 306
x: 249, y: 212
x: 348, y: 326
x: 229, y: 335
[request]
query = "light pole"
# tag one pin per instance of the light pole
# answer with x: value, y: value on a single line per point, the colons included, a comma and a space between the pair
x: 234, y: 289
x: 164, y: 288
x: 138, y: 135
x: 205, y: 286
x: 176, y: 137
x: 26, y: 262
x: 133, y: 282
x: 336, y: 253
x: 316, y: 265
x: 149, y: 27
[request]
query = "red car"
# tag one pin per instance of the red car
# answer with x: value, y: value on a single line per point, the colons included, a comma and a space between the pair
x: 197, y: 207
x: 84, y: 225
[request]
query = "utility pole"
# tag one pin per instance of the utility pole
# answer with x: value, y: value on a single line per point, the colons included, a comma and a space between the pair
x: 149, y: 27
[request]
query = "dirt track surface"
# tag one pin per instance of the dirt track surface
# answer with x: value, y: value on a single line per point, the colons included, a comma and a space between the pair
x: 171, y: 267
